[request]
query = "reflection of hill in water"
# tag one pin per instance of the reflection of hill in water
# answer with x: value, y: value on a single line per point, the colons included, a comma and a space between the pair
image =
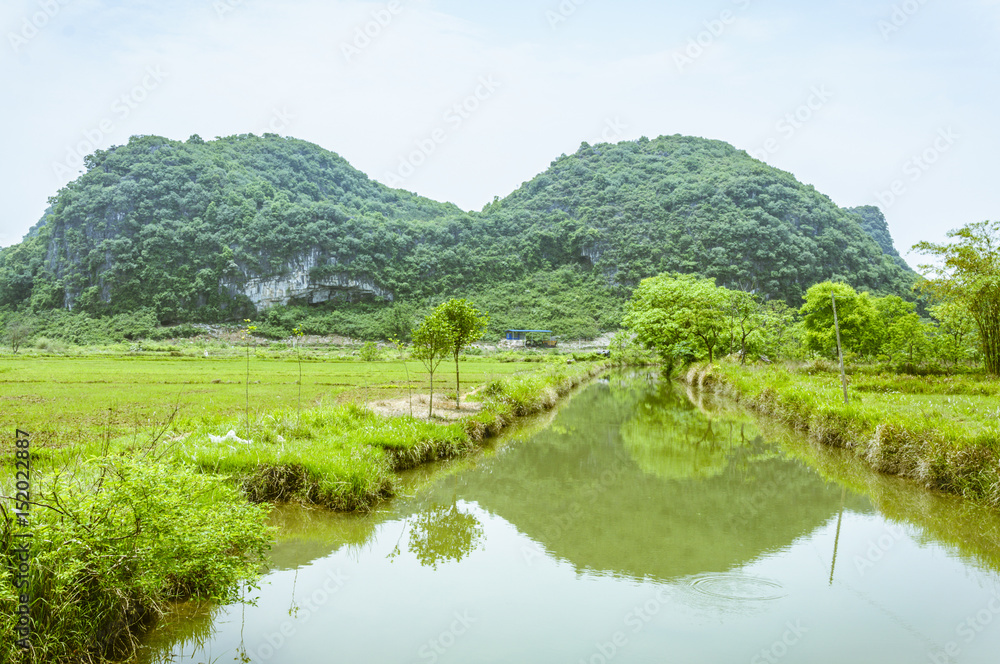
x: 635, y: 481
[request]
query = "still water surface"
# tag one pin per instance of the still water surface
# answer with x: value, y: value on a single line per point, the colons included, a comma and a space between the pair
x: 631, y: 525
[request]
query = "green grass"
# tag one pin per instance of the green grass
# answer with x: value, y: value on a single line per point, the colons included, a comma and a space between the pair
x: 65, y: 401
x: 943, y: 431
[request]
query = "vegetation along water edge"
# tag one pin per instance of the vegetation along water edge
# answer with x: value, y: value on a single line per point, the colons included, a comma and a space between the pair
x: 120, y: 525
x: 941, y: 431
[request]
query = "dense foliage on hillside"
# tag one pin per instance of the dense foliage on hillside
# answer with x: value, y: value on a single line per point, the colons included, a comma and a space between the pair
x: 187, y: 230
x: 685, y: 204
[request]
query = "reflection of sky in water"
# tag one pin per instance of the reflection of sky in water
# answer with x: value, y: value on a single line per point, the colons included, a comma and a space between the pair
x: 512, y: 589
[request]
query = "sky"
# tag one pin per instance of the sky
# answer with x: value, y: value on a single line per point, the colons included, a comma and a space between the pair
x: 872, y: 102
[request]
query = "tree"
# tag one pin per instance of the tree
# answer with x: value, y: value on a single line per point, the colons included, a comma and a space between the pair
x: 674, y: 314
x: 18, y: 332
x: 969, y: 275
x: 432, y: 342
x: 746, y: 315
x: 856, y: 314
x: 780, y: 336
x: 900, y: 329
x: 956, y: 332
x: 467, y: 324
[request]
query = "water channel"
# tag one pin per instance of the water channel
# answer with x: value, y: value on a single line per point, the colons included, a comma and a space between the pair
x: 636, y: 523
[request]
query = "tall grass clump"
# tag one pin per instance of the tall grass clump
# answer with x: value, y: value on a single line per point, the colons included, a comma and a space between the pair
x: 107, y: 553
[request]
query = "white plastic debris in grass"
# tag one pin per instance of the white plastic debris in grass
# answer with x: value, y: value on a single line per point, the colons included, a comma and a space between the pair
x: 229, y: 436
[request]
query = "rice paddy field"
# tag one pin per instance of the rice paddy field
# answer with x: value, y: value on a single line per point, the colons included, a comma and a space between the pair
x: 68, y: 399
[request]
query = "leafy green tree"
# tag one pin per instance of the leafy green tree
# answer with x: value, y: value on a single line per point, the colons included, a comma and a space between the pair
x: 468, y: 325
x: 855, y: 313
x: 432, y: 342
x: 899, y: 329
x: 746, y: 316
x: 18, y: 332
x: 969, y: 275
x: 674, y: 314
x: 780, y: 335
x: 956, y: 332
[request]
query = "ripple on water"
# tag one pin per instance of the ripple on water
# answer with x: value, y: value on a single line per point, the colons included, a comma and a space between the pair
x: 741, y: 587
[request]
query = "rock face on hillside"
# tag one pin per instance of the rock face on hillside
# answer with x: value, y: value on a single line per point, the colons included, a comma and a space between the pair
x: 208, y: 231
x: 297, y: 283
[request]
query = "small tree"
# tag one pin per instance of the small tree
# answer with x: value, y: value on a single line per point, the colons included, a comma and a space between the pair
x: 297, y: 335
x: 970, y: 276
x: 900, y: 330
x: 18, y: 332
x: 956, y: 332
x: 745, y: 315
x: 432, y: 342
x: 246, y: 336
x: 468, y: 325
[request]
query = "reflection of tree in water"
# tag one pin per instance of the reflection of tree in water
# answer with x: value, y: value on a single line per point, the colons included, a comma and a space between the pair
x: 671, y: 439
x: 442, y: 534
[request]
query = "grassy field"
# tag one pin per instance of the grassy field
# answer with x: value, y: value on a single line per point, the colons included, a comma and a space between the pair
x: 942, y: 431
x: 65, y: 400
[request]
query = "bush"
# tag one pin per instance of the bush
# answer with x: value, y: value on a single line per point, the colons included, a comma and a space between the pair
x: 106, y: 555
x: 369, y: 352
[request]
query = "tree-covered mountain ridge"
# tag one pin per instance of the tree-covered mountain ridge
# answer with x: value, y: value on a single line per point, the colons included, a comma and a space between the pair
x: 215, y: 230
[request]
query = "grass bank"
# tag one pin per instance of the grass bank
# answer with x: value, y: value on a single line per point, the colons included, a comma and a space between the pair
x: 941, y: 431
x: 346, y: 457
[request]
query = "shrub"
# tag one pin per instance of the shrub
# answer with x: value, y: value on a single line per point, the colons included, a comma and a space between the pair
x: 107, y: 553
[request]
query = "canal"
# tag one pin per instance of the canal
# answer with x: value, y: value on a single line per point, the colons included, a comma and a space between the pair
x: 636, y: 523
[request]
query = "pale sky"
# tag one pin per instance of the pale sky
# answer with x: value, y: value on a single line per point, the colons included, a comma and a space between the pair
x: 464, y: 101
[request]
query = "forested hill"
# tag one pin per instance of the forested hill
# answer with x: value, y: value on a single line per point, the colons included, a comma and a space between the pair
x: 693, y: 205
x: 212, y: 230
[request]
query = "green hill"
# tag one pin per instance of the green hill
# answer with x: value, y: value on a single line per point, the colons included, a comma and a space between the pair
x: 210, y: 231
x: 686, y: 204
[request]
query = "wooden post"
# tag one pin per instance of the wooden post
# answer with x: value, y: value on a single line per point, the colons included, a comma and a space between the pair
x: 840, y: 349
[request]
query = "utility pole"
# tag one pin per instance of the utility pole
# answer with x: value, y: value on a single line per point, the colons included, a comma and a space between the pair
x: 840, y: 349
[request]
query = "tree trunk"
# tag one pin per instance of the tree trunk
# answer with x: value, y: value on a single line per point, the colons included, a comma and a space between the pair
x: 430, y: 400
x: 458, y: 394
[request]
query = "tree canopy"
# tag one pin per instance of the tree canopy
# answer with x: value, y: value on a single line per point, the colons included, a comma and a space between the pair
x: 969, y: 275
x: 680, y: 316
